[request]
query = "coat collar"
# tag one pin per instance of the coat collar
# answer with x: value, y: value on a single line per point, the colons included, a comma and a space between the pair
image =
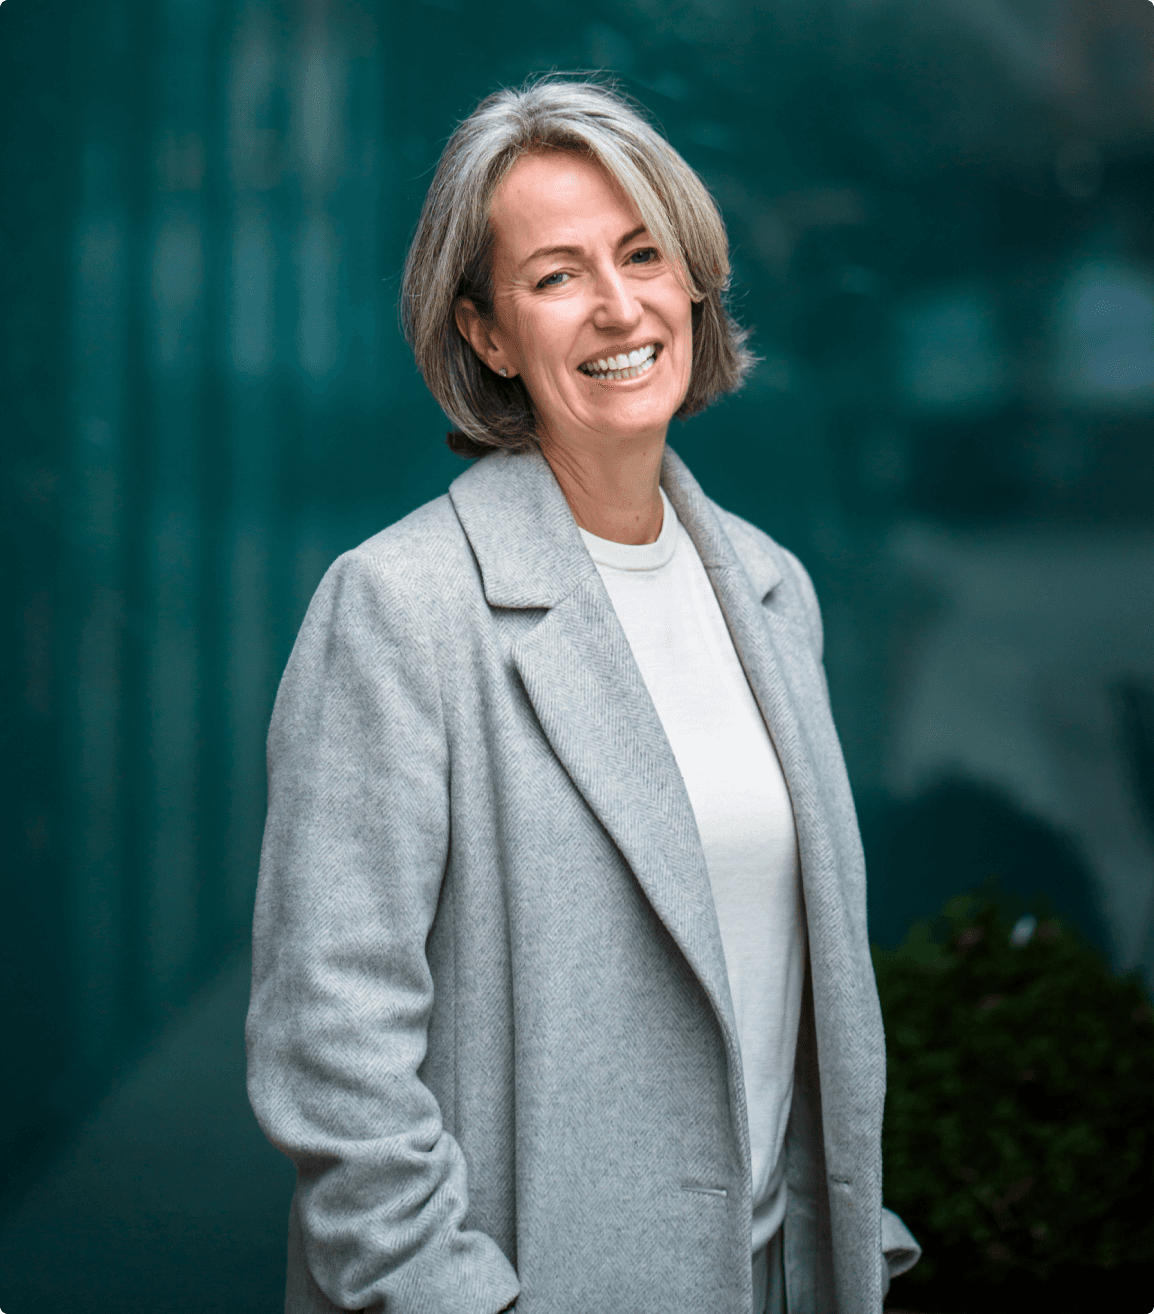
x: 521, y: 530
x: 529, y: 548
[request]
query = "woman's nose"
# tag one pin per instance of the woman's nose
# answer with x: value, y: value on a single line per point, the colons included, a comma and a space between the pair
x: 616, y: 303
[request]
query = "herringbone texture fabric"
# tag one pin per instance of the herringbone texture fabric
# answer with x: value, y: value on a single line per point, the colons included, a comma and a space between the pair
x: 490, y: 1017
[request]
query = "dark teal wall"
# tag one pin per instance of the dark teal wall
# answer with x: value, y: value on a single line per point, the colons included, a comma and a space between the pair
x: 205, y: 398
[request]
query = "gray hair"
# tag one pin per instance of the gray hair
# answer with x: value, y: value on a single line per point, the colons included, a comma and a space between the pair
x: 450, y: 258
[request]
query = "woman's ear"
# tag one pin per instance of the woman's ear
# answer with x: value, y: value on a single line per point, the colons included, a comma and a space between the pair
x: 476, y: 333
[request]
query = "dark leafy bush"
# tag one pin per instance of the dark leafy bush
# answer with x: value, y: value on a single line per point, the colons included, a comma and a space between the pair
x: 1019, y: 1131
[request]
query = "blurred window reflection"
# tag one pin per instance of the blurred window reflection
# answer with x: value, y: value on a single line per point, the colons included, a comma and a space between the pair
x: 951, y: 356
x: 1107, y: 315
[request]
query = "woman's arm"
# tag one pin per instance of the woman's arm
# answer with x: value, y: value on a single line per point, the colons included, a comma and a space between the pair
x: 354, y: 852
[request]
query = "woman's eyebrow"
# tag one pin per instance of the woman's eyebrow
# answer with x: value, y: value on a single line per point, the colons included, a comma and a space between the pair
x: 636, y: 232
x: 576, y: 250
x: 551, y: 250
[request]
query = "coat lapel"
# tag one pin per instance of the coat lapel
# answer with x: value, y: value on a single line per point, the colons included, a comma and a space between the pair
x: 783, y: 667
x: 579, y: 674
x: 785, y: 674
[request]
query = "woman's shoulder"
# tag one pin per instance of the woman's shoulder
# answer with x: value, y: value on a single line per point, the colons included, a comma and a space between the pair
x: 425, y: 533
x: 425, y: 551
x: 417, y: 571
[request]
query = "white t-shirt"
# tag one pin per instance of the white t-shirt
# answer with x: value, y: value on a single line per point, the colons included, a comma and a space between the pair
x: 680, y: 641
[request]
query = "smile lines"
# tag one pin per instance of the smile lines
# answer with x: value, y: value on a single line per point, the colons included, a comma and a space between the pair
x: 625, y: 366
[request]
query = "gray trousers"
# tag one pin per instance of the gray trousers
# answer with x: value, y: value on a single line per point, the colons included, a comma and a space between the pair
x: 769, y: 1278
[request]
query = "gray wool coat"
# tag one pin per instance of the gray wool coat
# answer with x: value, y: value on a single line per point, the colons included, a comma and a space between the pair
x: 490, y: 1017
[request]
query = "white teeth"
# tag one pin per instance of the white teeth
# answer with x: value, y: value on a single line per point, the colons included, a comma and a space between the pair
x: 625, y: 366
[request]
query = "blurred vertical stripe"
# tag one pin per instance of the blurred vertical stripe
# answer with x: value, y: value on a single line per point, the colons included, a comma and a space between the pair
x: 940, y: 226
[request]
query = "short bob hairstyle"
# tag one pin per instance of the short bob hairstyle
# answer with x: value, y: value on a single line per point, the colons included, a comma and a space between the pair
x: 450, y: 258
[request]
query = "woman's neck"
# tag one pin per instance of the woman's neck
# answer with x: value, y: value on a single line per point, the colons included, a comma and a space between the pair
x: 612, y: 488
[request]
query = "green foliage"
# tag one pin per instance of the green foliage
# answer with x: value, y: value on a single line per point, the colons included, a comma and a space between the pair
x: 1019, y: 1137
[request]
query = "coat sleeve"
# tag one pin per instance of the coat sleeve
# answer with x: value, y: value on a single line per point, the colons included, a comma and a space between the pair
x: 354, y: 853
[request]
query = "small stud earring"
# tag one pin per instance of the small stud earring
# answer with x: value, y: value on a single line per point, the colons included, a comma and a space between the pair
x: 503, y: 372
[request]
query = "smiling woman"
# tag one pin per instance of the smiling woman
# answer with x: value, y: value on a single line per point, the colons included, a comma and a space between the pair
x: 452, y: 254
x: 593, y: 318
x: 561, y: 988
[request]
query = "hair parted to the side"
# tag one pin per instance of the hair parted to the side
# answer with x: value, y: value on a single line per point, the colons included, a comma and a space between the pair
x: 450, y: 255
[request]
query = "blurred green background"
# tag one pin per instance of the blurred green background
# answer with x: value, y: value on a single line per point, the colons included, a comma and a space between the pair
x: 942, y: 215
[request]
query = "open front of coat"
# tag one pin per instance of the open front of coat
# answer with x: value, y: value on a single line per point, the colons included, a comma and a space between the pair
x: 490, y: 1018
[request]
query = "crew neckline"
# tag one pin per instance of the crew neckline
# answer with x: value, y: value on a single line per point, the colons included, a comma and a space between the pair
x: 637, y: 556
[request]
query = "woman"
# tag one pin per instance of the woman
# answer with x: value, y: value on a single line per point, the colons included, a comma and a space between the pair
x: 561, y: 987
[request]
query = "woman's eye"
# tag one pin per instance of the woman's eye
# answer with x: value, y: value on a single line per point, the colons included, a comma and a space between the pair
x: 553, y: 280
x: 645, y: 256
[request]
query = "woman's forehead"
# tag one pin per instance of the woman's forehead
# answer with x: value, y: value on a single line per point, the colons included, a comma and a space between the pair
x: 558, y: 198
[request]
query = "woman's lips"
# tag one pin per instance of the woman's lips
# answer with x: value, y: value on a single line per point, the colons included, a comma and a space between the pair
x: 625, y: 365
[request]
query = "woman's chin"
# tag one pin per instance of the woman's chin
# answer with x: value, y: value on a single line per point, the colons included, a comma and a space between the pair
x: 631, y: 414
x: 629, y: 423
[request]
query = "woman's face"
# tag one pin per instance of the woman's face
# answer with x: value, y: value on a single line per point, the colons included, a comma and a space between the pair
x: 587, y: 310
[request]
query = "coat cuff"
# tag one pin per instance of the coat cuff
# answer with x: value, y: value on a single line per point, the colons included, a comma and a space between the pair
x: 901, y: 1251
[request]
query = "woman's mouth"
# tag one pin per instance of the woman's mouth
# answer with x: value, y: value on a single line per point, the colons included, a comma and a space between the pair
x: 626, y: 365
